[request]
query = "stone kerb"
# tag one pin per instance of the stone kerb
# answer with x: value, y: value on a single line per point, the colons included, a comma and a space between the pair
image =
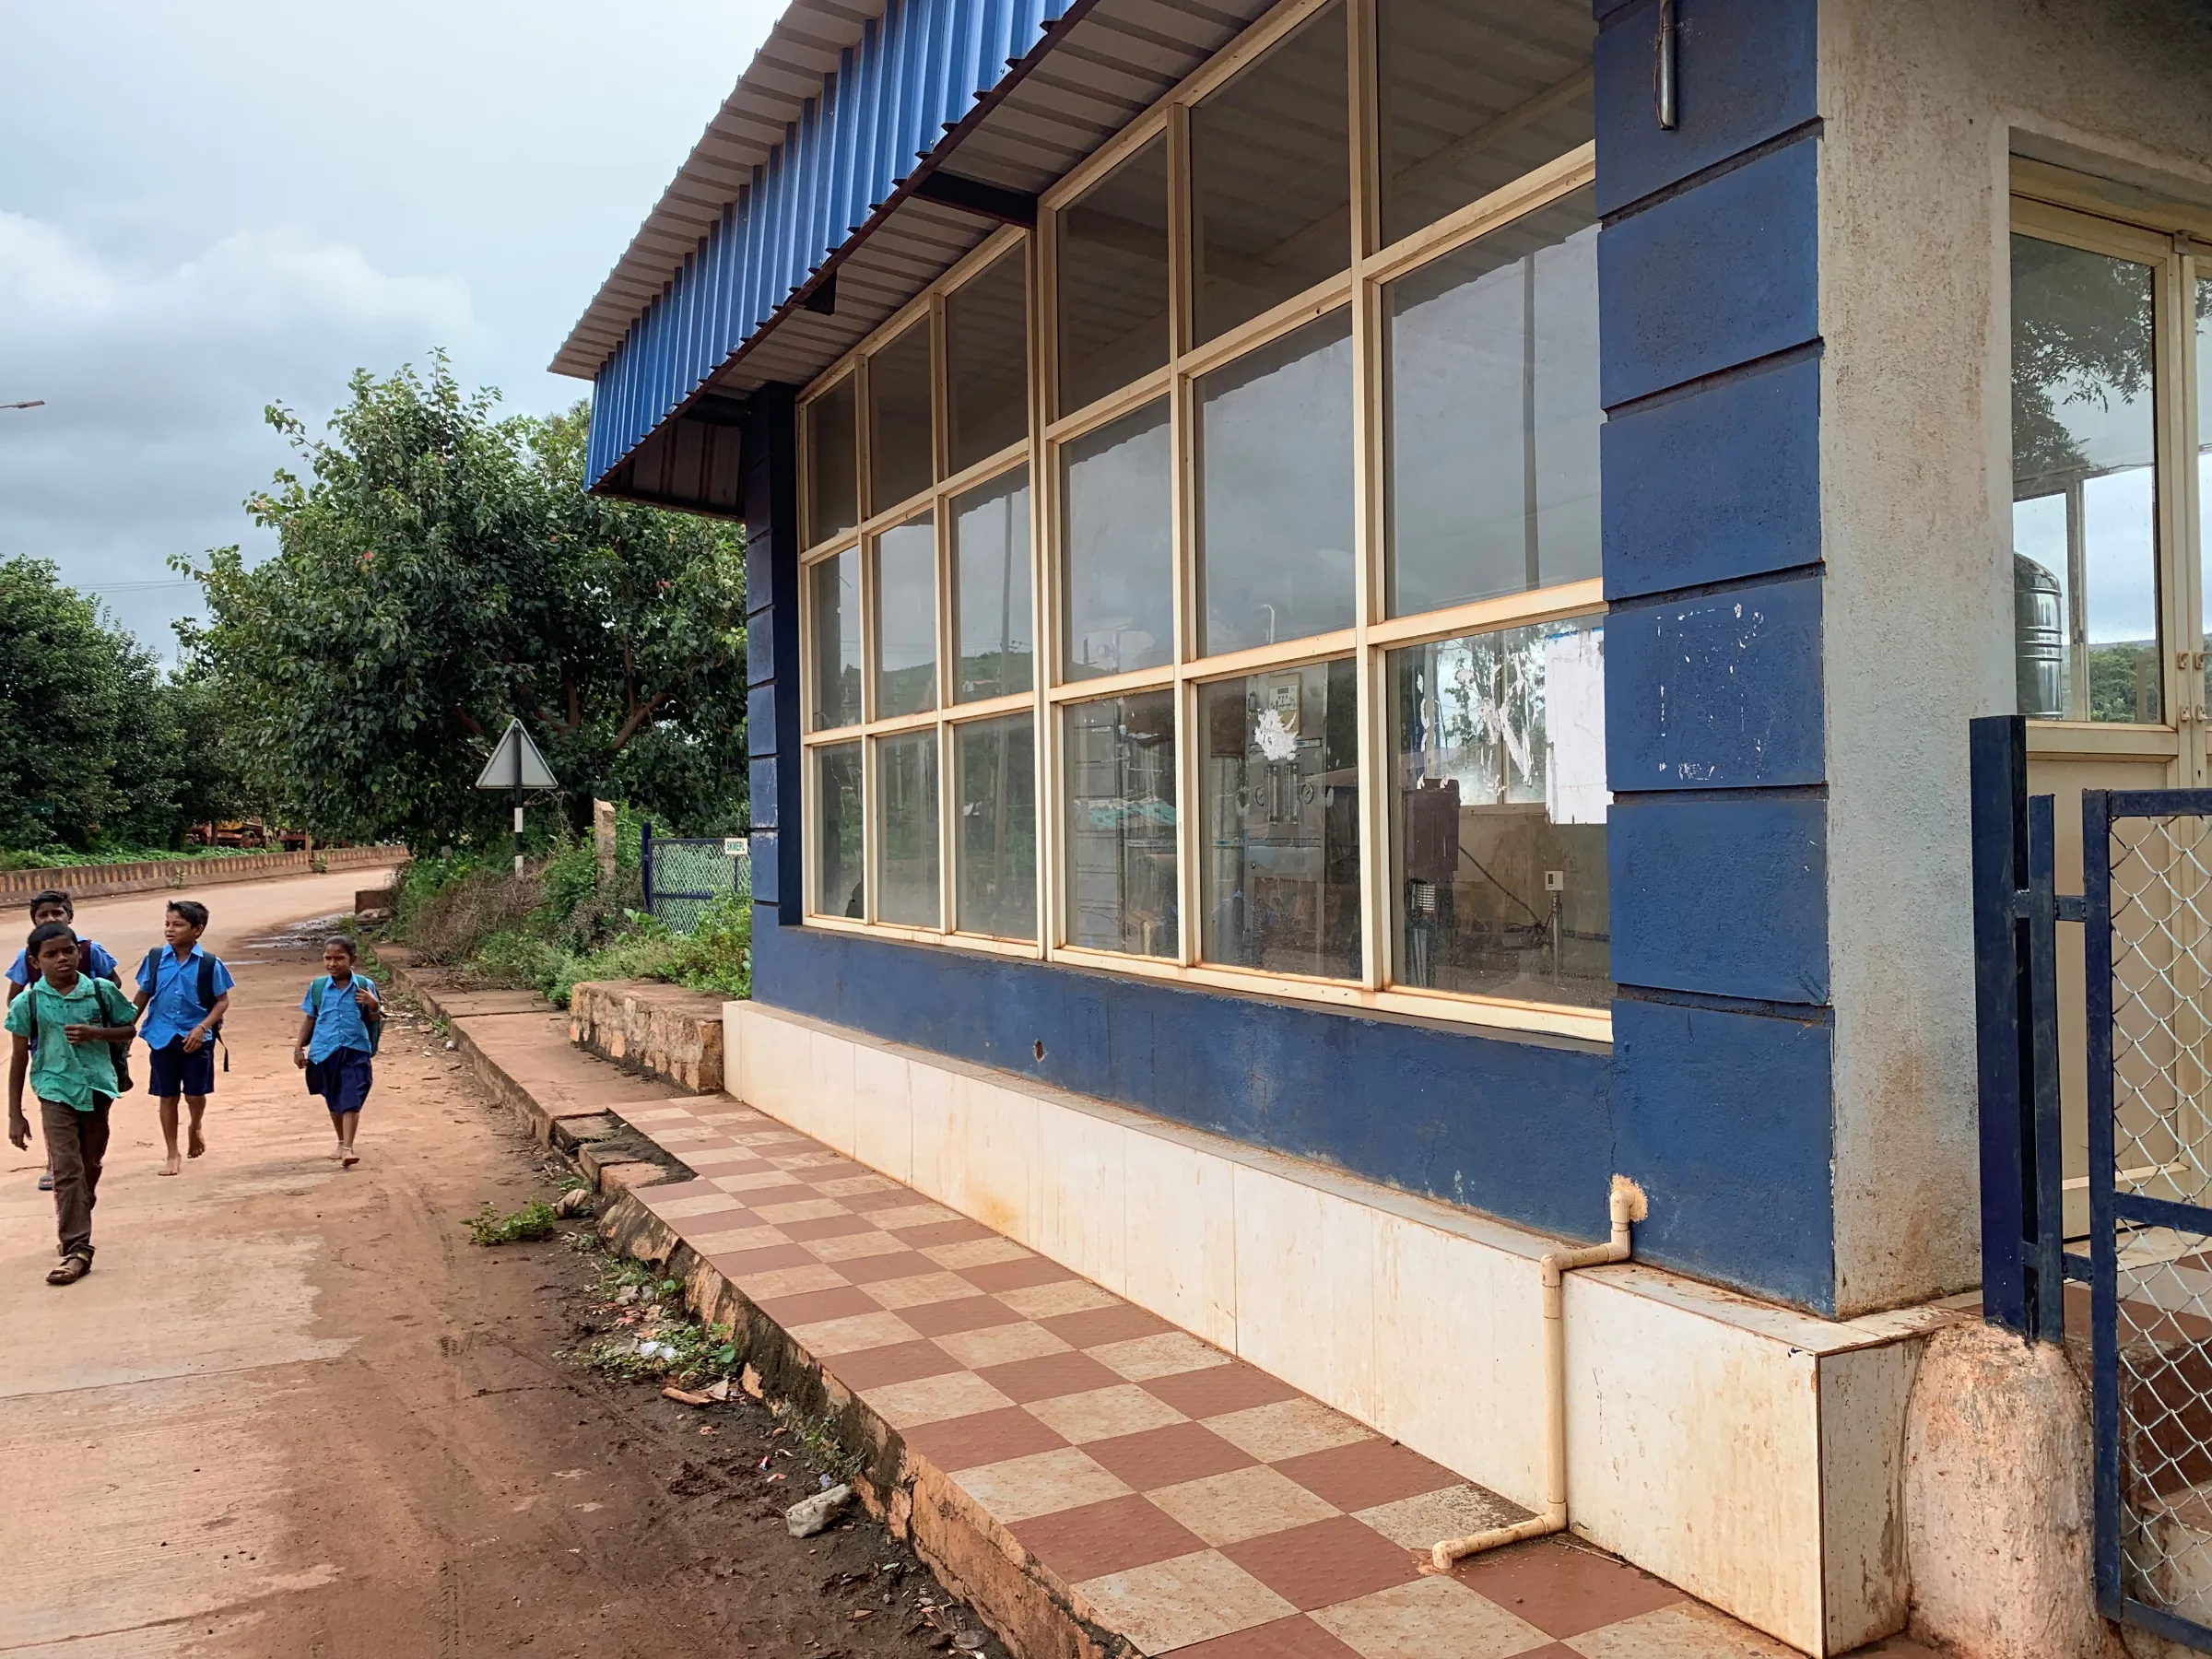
x: 663, y: 1030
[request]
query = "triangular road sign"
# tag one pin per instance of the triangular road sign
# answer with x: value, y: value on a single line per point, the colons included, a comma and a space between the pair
x: 516, y: 764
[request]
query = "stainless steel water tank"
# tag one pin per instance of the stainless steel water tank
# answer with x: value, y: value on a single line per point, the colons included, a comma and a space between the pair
x: 2039, y: 639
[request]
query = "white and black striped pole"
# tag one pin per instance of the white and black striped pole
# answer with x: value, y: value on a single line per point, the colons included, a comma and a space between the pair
x: 517, y: 809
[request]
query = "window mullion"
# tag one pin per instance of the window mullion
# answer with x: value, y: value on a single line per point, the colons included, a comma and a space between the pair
x: 1367, y: 516
x: 1183, y: 480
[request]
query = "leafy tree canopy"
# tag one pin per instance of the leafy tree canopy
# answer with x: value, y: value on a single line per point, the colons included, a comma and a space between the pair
x: 439, y: 569
x: 97, y: 745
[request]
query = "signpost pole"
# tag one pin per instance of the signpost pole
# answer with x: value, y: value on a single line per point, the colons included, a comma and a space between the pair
x: 517, y: 809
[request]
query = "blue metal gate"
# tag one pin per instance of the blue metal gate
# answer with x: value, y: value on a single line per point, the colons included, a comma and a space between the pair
x: 2146, y: 879
x: 2145, y: 912
x: 683, y: 875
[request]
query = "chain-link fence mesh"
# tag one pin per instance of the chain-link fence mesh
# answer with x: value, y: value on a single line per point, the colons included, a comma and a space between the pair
x: 683, y: 876
x: 2165, y: 1346
x: 2161, y: 908
x: 2160, y: 897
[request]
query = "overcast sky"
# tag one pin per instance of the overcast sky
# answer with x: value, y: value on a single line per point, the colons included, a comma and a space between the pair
x: 207, y: 209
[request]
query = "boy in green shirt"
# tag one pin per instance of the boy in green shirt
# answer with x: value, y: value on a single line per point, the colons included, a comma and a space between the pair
x: 73, y: 1018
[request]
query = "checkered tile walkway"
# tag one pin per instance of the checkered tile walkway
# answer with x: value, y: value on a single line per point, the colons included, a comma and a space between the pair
x: 1196, y: 1505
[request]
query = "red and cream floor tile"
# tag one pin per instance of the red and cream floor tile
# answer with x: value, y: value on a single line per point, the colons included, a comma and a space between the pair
x: 1195, y: 1504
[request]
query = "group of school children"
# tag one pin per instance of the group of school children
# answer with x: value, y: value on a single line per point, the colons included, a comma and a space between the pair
x: 74, y: 1025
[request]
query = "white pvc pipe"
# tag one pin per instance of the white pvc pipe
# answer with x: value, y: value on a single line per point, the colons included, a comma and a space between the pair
x: 1627, y: 1204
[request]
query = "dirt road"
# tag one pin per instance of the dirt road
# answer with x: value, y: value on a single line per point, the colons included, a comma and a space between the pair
x: 294, y: 1412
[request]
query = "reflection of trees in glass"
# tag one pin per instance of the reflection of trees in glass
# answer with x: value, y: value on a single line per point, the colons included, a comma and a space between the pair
x: 1488, y: 698
x: 2081, y: 334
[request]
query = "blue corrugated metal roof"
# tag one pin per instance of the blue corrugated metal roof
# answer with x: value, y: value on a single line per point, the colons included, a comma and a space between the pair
x: 915, y: 73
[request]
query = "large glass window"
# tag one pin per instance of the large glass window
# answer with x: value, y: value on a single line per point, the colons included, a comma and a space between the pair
x: 991, y: 648
x: 1279, y: 799
x: 1117, y: 547
x: 987, y: 353
x: 1120, y: 759
x: 835, y: 602
x: 1467, y: 108
x: 832, y: 463
x: 995, y: 854
x: 901, y: 448
x: 906, y: 782
x: 906, y: 619
x: 1271, y: 178
x: 1491, y: 413
x: 2084, y: 538
x: 1275, y: 469
x: 1497, y: 814
x: 1347, y: 621
x: 837, y: 880
x: 1113, y: 279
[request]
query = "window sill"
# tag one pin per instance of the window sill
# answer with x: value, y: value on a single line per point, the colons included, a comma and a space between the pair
x: 1502, y: 1015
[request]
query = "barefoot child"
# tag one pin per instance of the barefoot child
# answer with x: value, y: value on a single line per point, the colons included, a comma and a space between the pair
x: 73, y: 1019
x: 54, y: 905
x: 184, y: 992
x: 336, y: 1038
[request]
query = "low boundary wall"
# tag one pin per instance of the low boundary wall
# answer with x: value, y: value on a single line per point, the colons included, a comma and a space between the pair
x: 104, y: 881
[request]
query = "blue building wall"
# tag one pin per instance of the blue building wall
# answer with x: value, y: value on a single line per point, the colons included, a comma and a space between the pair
x: 1709, y: 330
x: 1716, y: 1091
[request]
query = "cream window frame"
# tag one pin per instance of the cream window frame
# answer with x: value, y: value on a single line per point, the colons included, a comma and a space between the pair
x: 1367, y: 641
x: 2054, y: 204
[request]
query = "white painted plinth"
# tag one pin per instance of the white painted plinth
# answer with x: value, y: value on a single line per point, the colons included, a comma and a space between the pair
x: 1749, y: 1453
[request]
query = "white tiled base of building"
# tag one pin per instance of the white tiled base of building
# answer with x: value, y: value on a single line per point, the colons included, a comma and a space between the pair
x: 1750, y: 1453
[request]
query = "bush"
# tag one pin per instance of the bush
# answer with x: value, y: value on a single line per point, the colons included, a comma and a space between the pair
x: 562, y: 922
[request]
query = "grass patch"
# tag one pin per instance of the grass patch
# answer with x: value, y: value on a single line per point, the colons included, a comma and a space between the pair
x: 654, y: 1338
x: 533, y: 1220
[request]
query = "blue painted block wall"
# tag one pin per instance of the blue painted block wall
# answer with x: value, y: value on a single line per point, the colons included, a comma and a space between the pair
x: 1717, y: 746
x: 1715, y: 1092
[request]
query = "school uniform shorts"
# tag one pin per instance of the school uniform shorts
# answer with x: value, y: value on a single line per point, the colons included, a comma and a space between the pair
x: 343, y: 1080
x: 173, y: 1072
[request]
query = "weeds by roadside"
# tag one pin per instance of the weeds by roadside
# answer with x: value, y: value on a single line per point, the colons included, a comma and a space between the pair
x: 534, y: 1221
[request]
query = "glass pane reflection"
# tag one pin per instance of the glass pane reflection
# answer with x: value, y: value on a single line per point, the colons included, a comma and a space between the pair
x: 991, y: 654
x: 2084, y: 520
x: 1120, y: 765
x: 1271, y: 179
x: 1497, y: 815
x: 995, y: 853
x: 832, y: 464
x: 1280, y: 777
x: 1275, y: 469
x: 906, y: 782
x: 987, y: 361
x: 906, y: 619
x: 1115, y: 546
x: 834, y: 599
x: 1467, y: 107
x: 1113, y: 279
x: 900, y: 457
x: 1492, y: 414
x: 837, y: 889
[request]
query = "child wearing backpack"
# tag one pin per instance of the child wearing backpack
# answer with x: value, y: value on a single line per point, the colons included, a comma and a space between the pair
x: 345, y: 1020
x: 184, y: 992
x: 54, y: 905
x: 66, y: 1027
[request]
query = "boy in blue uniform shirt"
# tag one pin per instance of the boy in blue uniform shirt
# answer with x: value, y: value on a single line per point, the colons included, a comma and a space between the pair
x: 183, y: 991
x: 336, y: 1038
x: 92, y: 960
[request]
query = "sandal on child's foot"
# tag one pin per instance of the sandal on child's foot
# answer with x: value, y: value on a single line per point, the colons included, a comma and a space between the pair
x: 348, y: 1156
x: 45, y: 1181
x: 72, y: 1268
x: 337, y: 1151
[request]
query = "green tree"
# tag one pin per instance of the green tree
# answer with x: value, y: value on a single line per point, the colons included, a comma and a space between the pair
x: 61, y: 694
x: 439, y: 569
